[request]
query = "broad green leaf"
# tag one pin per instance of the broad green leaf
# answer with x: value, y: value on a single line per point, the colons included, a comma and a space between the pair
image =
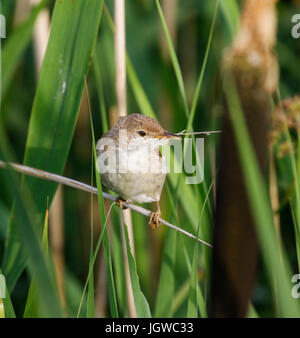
x: 55, y: 109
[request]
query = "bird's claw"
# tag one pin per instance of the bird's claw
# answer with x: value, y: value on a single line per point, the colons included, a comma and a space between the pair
x: 119, y: 202
x: 154, y: 220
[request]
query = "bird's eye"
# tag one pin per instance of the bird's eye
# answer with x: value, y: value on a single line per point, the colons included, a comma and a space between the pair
x: 142, y: 133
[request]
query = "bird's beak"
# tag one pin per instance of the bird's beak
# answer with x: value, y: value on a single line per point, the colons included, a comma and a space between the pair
x: 168, y: 135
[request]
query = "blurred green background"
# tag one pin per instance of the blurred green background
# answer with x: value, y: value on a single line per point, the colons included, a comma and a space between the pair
x: 189, y: 23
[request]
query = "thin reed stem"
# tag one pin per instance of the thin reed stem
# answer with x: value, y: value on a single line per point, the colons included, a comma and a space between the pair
x: 23, y: 169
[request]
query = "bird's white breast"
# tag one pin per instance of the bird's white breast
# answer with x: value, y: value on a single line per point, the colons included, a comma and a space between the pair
x: 137, y: 174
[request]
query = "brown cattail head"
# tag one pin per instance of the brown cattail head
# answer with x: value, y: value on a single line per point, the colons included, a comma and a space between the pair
x: 253, y: 45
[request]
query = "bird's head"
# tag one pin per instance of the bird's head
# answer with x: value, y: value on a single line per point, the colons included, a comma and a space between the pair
x: 141, y: 128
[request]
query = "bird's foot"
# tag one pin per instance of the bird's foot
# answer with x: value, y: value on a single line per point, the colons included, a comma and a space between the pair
x: 120, y: 201
x: 154, y: 219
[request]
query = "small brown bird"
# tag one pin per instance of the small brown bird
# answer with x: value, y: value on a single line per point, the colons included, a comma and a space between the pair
x: 130, y: 163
